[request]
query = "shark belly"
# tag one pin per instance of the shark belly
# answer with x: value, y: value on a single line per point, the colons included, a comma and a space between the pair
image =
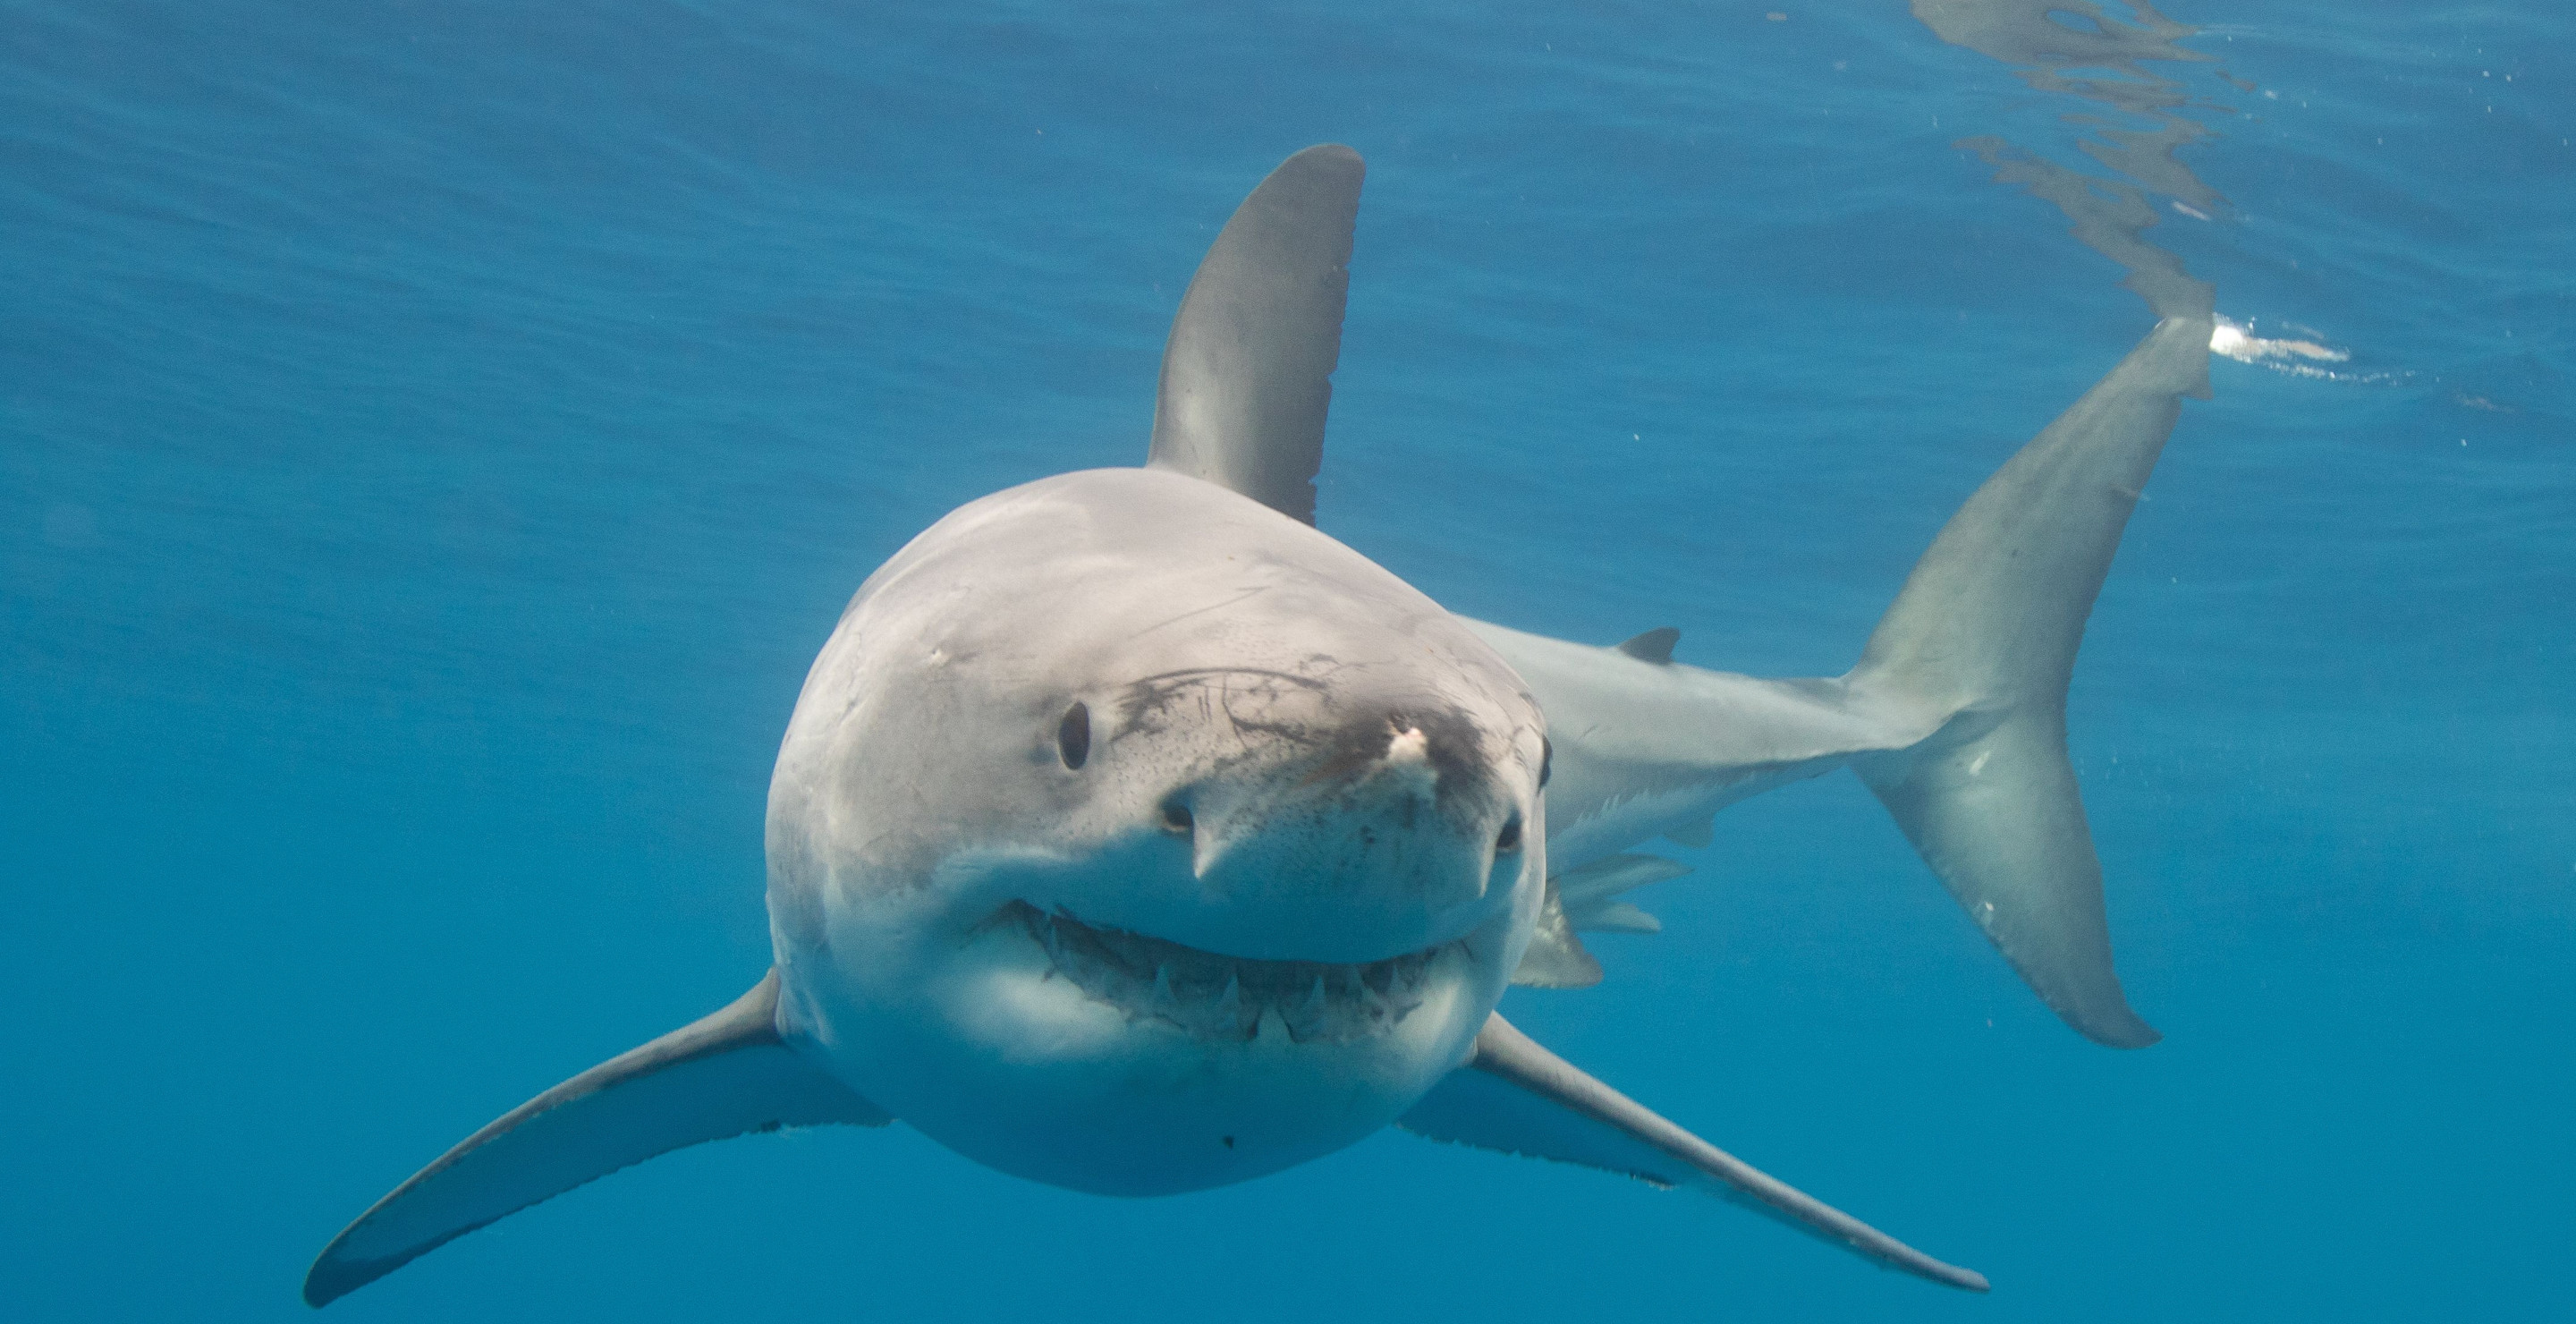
x: 1005, y: 1058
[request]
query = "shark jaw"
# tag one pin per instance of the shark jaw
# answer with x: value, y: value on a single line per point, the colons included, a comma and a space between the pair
x: 1100, y: 1058
x: 1225, y: 998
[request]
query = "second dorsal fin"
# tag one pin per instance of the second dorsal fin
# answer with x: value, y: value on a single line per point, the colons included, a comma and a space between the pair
x: 1655, y: 645
x: 1247, y: 374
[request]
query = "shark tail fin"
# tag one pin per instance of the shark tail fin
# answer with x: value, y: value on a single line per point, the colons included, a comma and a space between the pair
x: 1978, y: 648
x: 726, y: 1075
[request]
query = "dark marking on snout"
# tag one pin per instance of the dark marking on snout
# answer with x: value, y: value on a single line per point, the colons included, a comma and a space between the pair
x: 1451, y: 742
x: 1149, y: 702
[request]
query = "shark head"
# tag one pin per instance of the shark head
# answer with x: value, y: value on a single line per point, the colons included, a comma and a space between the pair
x: 1133, y: 837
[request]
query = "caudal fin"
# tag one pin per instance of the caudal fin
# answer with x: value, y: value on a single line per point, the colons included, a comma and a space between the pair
x: 1983, y: 639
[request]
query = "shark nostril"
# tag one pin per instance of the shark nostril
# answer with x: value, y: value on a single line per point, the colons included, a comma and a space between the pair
x: 1177, y: 819
x: 1510, y: 838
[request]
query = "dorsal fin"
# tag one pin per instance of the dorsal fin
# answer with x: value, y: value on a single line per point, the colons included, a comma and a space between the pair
x: 1654, y: 645
x: 1247, y: 374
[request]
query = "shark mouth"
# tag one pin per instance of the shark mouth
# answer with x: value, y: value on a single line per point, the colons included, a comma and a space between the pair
x: 1230, y: 997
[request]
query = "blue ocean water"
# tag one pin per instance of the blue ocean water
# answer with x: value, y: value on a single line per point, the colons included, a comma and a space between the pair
x: 434, y: 439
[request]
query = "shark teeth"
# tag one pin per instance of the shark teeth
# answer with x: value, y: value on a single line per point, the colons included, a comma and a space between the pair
x: 1230, y: 997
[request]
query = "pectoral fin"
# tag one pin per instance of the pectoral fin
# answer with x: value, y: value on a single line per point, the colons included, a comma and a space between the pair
x: 1519, y: 1098
x: 1555, y: 957
x: 726, y: 1075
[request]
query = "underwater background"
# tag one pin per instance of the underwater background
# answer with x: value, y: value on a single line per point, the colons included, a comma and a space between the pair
x: 435, y: 438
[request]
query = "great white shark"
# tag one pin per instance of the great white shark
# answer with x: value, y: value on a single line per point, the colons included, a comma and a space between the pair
x: 1132, y: 835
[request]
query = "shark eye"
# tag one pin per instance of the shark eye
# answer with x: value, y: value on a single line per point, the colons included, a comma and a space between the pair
x: 1073, y: 736
x: 1177, y: 819
x: 1510, y: 840
x: 1546, y: 756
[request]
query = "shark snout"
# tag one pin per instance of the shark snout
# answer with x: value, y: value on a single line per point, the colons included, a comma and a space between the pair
x: 1392, y: 835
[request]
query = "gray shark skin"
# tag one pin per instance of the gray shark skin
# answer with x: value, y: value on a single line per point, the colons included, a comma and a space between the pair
x: 1133, y: 835
x: 1294, y: 759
